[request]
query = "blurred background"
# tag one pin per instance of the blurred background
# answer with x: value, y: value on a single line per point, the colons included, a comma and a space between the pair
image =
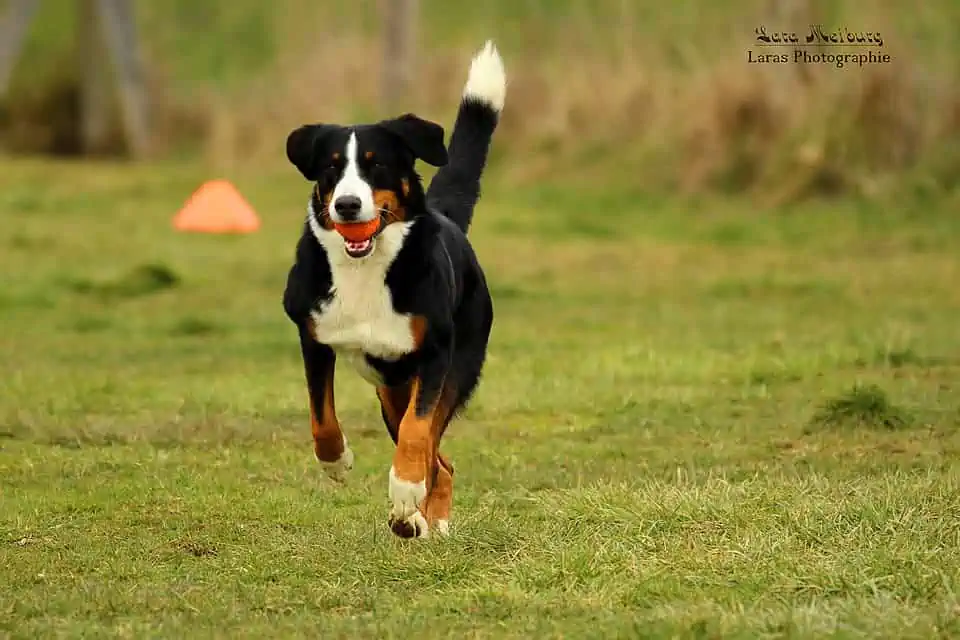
x: 653, y: 96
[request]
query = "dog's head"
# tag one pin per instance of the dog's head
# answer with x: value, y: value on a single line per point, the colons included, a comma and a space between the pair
x: 366, y: 173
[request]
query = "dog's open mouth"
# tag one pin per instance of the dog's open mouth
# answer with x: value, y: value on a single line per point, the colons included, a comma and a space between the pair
x: 358, y: 249
x: 359, y: 238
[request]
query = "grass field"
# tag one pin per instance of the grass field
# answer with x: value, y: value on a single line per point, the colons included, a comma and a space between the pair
x: 697, y: 421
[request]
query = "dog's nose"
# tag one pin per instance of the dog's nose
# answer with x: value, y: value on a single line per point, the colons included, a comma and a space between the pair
x: 347, y: 207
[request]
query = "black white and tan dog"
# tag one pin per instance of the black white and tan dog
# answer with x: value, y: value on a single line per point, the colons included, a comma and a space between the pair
x: 386, y: 280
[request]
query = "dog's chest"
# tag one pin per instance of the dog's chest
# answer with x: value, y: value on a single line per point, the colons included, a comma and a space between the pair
x: 359, y: 318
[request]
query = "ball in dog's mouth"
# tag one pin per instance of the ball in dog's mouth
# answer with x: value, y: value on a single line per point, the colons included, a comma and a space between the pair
x: 358, y: 237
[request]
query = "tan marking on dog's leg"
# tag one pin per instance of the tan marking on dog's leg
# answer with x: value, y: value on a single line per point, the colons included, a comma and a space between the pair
x: 440, y: 500
x: 410, y: 473
x: 415, y: 460
x: 329, y: 444
x: 433, y: 512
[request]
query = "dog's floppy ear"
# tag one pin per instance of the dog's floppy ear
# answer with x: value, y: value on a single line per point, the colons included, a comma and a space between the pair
x: 303, y: 147
x: 422, y: 137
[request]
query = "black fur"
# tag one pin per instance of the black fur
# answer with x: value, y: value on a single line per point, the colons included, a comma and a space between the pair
x: 437, y: 275
x: 304, y: 146
x: 455, y: 188
x: 422, y: 137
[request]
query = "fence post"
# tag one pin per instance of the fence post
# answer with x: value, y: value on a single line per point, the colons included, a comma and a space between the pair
x: 13, y: 31
x: 96, y: 112
x: 399, y: 34
x: 790, y: 15
x: 120, y: 33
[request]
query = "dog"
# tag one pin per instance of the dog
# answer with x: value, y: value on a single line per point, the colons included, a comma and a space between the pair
x: 385, y: 279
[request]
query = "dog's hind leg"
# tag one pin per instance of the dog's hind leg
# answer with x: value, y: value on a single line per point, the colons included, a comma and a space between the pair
x: 459, y: 386
x: 433, y: 514
x: 440, y: 500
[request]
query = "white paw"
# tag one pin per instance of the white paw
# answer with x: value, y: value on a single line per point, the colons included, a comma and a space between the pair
x: 337, y: 470
x: 406, y: 497
x: 443, y: 527
x: 419, y: 524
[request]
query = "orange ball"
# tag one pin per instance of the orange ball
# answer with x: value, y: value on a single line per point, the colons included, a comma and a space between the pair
x: 358, y: 231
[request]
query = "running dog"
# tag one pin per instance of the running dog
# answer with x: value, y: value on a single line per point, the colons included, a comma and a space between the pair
x: 386, y: 280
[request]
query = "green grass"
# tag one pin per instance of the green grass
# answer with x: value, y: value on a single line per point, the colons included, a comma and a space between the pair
x: 647, y: 455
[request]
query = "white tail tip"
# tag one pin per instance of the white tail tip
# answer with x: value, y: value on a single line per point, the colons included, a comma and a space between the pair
x: 487, y: 81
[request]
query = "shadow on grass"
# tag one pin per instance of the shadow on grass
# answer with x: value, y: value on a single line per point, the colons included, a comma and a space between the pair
x: 193, y: 326
x: 140, y: 281
x: 864, y: 405
x: 898, y: 358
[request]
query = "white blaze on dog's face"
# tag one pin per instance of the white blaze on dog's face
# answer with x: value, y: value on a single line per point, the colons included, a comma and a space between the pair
x: 352, y: 198
x: 365, y: 173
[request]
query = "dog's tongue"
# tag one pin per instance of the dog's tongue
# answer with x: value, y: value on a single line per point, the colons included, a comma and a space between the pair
x: 357, y: 247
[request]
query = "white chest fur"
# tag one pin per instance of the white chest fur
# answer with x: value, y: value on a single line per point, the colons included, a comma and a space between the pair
x: 359, y: 318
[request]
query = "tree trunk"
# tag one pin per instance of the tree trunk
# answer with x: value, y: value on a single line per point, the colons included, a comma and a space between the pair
x: 399, y: 35
x: 13, y: 30
x: 120, y: 32
x: 96, y: 105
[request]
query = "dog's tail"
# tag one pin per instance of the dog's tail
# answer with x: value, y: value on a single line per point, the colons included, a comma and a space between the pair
x: 455, y: 188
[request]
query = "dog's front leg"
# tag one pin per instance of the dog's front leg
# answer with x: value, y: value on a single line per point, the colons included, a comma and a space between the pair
x: 415, y: 459
x: 329, y: 443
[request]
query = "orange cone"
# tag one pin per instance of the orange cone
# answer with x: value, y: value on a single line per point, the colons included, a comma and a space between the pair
x: 217, y: 207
